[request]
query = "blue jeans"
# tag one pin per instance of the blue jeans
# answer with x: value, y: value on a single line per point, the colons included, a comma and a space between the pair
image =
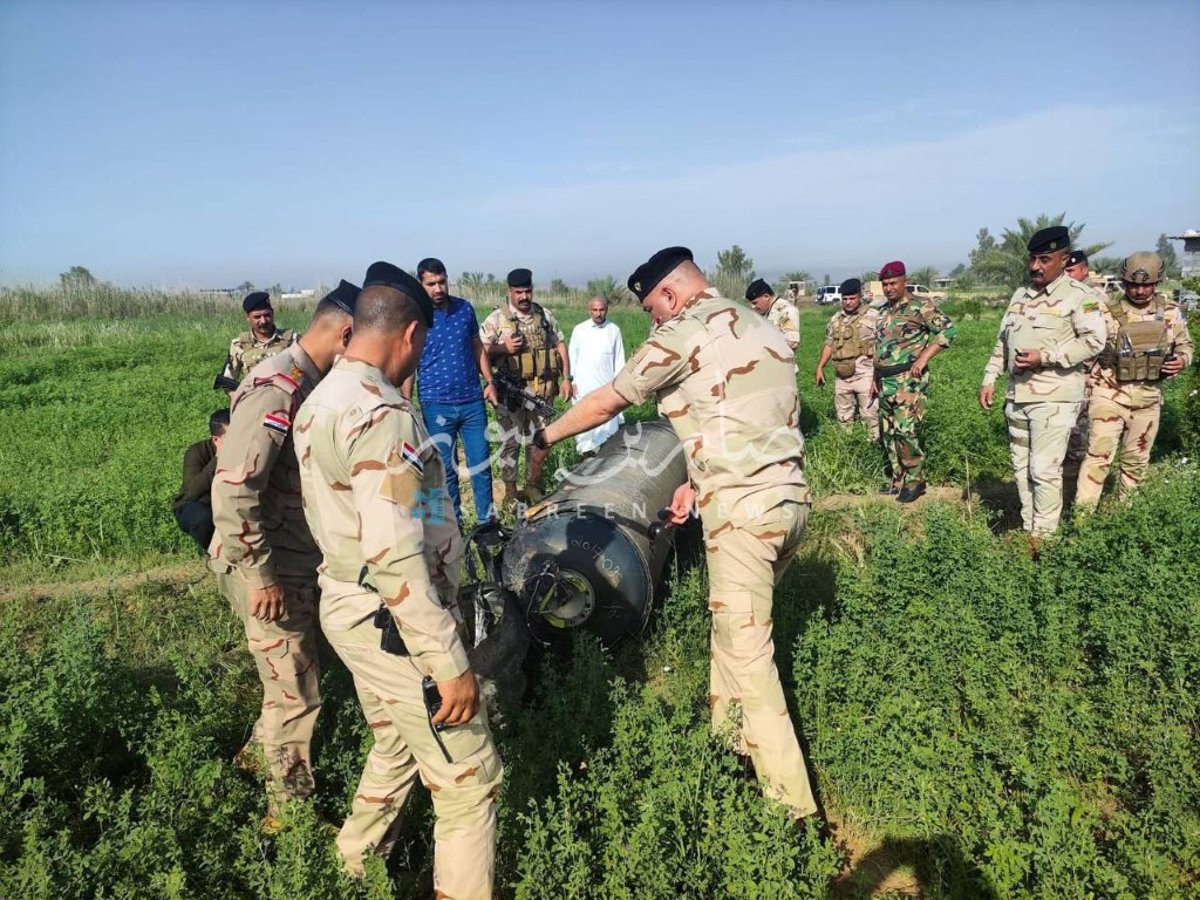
x: 445, y: 422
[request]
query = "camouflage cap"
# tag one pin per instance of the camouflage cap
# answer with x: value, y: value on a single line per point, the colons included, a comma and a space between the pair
x: 1142, y: 268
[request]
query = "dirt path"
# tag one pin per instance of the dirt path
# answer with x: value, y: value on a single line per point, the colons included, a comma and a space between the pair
x: 172, y: 575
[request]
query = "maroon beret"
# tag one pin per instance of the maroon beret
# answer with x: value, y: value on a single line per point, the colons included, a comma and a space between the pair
x: 894, y: 269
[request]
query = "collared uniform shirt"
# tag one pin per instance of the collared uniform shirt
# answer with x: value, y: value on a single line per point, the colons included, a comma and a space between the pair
x: 724, y: 378
x: 375, y: 497
x: 449, y: 369
x: 905, y: 328
x: 257, y: 512
x: 1063, y: 322
x: 784, y: 316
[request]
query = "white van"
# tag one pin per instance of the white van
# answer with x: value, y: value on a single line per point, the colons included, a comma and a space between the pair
x: 830, y: 293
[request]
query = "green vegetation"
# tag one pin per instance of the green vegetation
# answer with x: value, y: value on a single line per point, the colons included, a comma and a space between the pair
x: 980, y: 725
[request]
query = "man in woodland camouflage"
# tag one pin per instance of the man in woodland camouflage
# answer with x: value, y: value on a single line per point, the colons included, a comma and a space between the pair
x: 1048, y: 333
x: 908, y: 335
x: 262, y: 551
x: 375, y: 497
x: 850, y: 344
x: 725, y: 381
x: 262, y: 341
x: 780, y: 311
x: 1148, y: 342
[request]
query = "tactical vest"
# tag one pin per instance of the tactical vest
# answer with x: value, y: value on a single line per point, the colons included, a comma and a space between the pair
x: 848, y: 345
x: 1139, y: 348
x: 253, y: 354
x: 538, y: 359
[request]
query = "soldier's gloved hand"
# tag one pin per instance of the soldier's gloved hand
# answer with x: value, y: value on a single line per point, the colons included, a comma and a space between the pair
x: 266, y: 603
x: 681, y: 503
x: 460, y: 700
x: 820, y: 378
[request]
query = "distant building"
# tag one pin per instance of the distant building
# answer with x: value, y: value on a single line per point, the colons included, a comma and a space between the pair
x: 298, y: 295
x: 1190, y: 261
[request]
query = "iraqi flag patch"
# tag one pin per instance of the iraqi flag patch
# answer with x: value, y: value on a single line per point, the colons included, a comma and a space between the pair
x: 277, y: 422
x: 409, y: 454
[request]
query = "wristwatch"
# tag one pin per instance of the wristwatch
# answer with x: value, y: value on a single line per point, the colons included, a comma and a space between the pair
x: 570, y: 378
x: 539, y: 439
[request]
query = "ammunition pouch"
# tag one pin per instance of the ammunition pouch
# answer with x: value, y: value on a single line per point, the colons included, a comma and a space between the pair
x: 538, y: 360
x: 848, y: 346
x: 1139, y: 349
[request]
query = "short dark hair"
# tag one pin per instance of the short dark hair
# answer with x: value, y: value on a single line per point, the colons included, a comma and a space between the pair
x: 430, y: 265
x: 385, y: 309
x: 218, y: 422
x: 328, y: 307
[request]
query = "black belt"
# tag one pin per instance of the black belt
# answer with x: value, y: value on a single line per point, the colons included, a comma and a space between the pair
x: 889, y: 371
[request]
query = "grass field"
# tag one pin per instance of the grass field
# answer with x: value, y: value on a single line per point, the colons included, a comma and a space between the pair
x: 981, y: 726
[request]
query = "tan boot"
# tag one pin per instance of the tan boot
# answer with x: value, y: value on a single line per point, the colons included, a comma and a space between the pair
x: 508, y: 500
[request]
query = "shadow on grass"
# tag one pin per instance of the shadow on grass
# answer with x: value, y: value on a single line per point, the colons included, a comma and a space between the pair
x: 915, y: 867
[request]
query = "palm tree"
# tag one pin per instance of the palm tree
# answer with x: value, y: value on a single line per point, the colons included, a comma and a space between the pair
x: 608, y: 288
x: 925, y: 275
x: 1007, y: 263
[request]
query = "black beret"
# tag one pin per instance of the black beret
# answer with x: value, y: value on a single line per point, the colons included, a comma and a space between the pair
x: 344, y: 297
x: 1056, y: 237
x: 520, y: 278
x: 386, y: 275
x: 850, y: 286
x: 646, y: 277
x: 257, y: 300
x: 757, y: 288
x: 1077, y: 257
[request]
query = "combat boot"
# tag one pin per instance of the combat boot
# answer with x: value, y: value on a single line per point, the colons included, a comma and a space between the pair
x: 909, y: 494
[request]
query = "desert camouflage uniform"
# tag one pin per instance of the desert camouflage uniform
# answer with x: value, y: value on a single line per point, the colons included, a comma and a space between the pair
x: 1077, y: 443
x: 1126, y: 414
x: 1063, y: 323
x: 784, y: 316
x: 723, y: 378
x: 375, y: 495
x: 854, y: 389
x: 262, y: 539
x: 246, y: 351
x: 904, y: 329
x: 518, y: 426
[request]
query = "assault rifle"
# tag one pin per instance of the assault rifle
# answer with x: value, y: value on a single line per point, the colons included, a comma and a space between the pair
x: 515, y: 395
x: 222, y: 381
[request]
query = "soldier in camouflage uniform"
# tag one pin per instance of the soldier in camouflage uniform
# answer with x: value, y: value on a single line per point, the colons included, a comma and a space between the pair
x: 375, y: 496
x: 1047, y: 335
x: 850, y: 343
x: 1148, y: 341
x: 780, y: 311
x: 262, y: 551
x: 908, y: 335
x: 524, y: 342
x: 262, y: 341
x: 1078, y: 270
x: 724, y: 381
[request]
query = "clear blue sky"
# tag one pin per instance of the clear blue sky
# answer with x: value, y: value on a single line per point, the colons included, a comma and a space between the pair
x: 175, y: 144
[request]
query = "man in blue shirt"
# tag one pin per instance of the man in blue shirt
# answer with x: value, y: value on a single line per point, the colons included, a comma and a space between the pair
x: 449, y: 391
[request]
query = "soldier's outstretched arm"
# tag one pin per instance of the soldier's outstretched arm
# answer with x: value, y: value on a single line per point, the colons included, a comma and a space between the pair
x: 1090, y: 335
x: 387, y: 481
